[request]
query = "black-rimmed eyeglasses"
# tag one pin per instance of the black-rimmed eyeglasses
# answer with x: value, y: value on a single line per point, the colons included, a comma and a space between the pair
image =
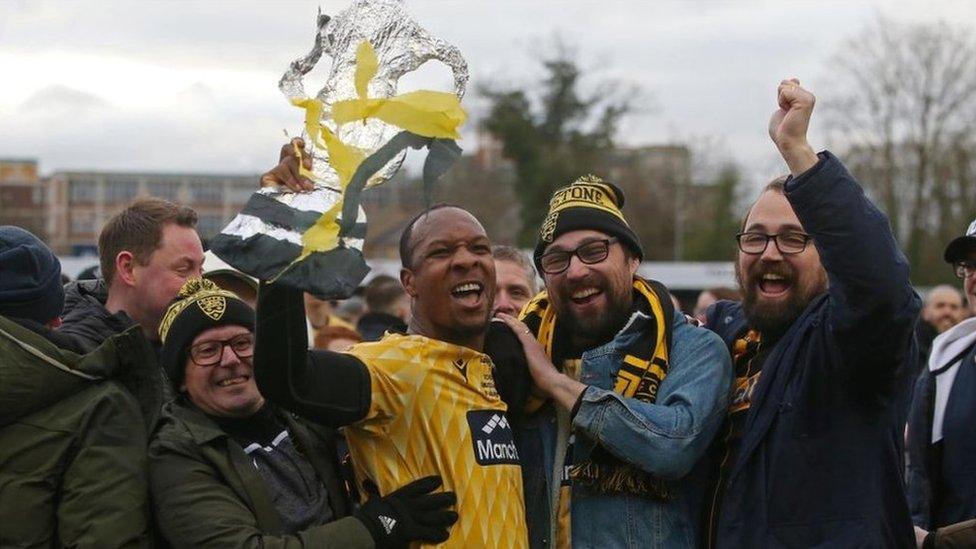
x: 595, y: 251
x: 209, y: 353
x: 787, y: 243
x: 964, y: 268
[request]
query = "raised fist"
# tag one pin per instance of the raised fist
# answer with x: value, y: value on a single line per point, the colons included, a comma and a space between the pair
x: 788, y: 125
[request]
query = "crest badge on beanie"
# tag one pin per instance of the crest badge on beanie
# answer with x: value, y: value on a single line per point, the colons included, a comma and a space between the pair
x: 588, y: 203
x: 200, y: 306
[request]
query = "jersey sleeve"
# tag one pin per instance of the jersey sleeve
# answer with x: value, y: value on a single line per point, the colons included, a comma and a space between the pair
x: 391, y: 388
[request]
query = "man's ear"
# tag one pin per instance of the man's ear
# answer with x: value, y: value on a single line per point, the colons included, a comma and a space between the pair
x: 125, y: 264
x: 406, y: 279
x: 632, y: 264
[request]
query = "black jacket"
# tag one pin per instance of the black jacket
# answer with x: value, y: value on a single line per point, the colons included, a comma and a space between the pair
x: 85, y: 319
x: 820, y: 462
x: 372, y: 326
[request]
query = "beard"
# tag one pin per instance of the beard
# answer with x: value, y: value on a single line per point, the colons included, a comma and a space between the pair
x: 590, y: 331
x: 775, y: 318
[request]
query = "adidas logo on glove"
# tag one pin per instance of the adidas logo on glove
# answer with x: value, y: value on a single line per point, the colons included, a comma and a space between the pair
x: 388, y: 523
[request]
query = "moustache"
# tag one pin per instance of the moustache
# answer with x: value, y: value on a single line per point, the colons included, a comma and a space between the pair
x: 760, y: 269
x: 589, y: 282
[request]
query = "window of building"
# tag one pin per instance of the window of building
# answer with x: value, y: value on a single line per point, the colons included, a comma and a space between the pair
x: 81, y: 190
x: 83, y: 222
x: 239, y: 193
x: 209, y: 225
x: 122, y: 190
x: 208, y: 192
x: 167, y: 190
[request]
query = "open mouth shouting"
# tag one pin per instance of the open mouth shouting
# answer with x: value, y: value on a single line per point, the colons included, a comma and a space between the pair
x: 773, y: 285
x: 585, y: 296
x: 469, y: 294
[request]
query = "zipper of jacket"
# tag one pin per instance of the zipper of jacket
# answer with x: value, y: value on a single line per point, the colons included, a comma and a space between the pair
x: 37, y: 353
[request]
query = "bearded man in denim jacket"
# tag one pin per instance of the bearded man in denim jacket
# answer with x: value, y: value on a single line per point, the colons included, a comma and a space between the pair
x: 627, y: 395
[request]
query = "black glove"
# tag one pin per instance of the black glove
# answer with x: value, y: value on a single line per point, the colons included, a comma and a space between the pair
x: 411, y: 513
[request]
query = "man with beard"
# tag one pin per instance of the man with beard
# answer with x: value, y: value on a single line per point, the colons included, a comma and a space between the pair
x: 416, y: 404
x: 823, y: 351
x: 633, y: 393
x: 944, y: 308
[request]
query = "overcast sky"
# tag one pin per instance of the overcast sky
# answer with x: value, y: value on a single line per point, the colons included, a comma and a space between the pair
x: 181, y: 86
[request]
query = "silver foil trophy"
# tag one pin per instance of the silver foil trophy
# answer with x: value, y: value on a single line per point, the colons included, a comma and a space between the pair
x: 266, y: 239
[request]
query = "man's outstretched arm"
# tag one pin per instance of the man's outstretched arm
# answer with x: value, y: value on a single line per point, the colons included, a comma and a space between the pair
x: 323, y: 386
x: 872, y: 305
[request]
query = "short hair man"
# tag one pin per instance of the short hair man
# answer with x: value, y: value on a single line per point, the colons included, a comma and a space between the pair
x: 637, y: 395
x: 388, y: 306
x: 944, y: 308
x: 419, y: 404
x: 823, y: 351
x: 72, y: 442
x: 230, y: 469
x: 941, y: 491
x: 146, y: 251
x: 515, y: 280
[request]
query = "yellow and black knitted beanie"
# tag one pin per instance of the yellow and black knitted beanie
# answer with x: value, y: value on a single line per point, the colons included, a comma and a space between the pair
x: 588, y: 203
x: 199, y: 306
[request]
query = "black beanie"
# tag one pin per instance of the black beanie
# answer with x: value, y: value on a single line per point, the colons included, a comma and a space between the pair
x: 588, y: 203
x: 200, y: 305
x: 30, y: 277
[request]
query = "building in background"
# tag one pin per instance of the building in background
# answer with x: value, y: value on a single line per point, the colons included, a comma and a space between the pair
x: 78, y: 203
x: 22, y: 195
x: 68, y: 208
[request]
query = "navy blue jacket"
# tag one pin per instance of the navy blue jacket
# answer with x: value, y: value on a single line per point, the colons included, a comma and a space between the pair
x: 820, y: 461
x: 941, y: 483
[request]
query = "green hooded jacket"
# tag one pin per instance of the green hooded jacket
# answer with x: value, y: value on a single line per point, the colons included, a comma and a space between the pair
x: 73, y: 470
x: 206, y: 492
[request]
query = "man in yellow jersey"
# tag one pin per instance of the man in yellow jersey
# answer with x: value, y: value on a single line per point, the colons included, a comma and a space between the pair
x: 634, y: 398
x: 419, y: 404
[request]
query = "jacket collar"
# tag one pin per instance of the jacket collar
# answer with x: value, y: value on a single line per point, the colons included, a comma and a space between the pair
x: 202, y: 429
x: 951, y: 342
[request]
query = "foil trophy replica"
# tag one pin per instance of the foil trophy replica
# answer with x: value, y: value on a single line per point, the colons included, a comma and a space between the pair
x: 358, y: 130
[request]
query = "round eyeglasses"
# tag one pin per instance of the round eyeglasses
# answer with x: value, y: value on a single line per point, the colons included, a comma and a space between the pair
x: 209, y: 353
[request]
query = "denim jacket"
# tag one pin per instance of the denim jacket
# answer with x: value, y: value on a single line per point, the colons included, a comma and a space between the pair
x: 665, y: 438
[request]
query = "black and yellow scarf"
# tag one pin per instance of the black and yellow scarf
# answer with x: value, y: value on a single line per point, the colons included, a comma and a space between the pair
x: 644, y: 367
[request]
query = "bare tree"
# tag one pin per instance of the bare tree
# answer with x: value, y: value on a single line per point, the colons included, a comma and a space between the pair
x: 906, y: 115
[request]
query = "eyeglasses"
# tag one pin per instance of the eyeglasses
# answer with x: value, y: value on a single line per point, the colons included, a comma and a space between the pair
x: 964, y: 268
x: 209, y: 353
x: 592, y: 252
x: 787, y: 243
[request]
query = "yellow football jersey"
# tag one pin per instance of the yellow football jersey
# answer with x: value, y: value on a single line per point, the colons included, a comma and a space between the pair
x: 435, y: 411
